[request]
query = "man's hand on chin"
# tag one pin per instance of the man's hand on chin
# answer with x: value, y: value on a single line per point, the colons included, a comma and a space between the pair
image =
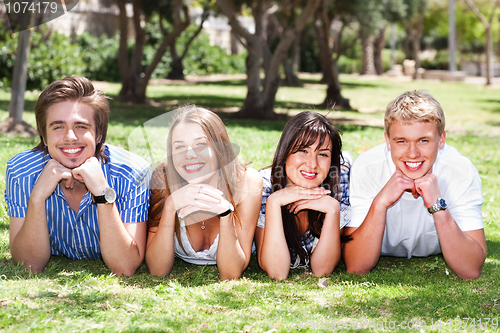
x: 428, y: 188
x: 91, y: 174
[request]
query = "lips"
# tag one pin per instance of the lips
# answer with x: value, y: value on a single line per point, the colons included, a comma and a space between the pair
x: 193, y: 168
x: 71, y: 151
x: 308, y: 175
x: 413, y: 165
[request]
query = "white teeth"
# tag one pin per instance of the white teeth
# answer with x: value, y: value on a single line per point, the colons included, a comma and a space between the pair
x: 193, y: 167
x: 413, y: 164
x: 72, y: 151
x: 308, y: 174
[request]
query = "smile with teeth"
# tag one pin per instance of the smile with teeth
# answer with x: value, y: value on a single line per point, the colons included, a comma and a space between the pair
x: 194, y: 167
x: 308, y: 175
x: 413, y: 165
x: 72, y: 150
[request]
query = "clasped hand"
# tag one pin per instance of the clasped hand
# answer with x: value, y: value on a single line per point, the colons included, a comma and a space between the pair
x: 199, y: 197
x: 89, y: 173
x: 427, y: 187
x: 298, y: 198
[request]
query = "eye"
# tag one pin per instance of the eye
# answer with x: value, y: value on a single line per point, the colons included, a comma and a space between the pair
x: 324, y: 154
x: 424, y: 140
x: 179, y: 147
x: 201, y: 144
x: 401, y: 141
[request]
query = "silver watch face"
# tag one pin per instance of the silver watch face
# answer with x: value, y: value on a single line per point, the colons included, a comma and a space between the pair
x: 110, y: 195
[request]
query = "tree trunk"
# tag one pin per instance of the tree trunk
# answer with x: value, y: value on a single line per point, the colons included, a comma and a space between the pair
x: 407, y: 45
x: 19, y: 76
x: 328, y: 64
x: 177, y: 71
x: 416, y: 51
x: 15, y: 123
x: 259, y: 104
x: 291, y: 80
x: 367, y: 64
x: 134, y: 80
x: 489, y: 54
x: 379, y: 44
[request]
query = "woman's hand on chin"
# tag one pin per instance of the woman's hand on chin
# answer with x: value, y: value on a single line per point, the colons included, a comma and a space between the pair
x: 293, y: 193
x: 325, y: 204
x: 202, y: 196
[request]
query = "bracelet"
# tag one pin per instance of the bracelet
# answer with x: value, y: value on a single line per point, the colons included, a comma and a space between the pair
x: 228, y: 211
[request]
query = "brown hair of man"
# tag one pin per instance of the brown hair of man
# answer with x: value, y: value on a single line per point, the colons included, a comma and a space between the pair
x: 80, y: 90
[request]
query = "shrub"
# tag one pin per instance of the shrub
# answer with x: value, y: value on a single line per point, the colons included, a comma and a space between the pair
x: 52, y: 57
x: 100, y: 55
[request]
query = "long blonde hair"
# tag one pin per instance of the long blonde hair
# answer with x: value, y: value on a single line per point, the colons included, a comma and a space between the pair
x: 166, y: 179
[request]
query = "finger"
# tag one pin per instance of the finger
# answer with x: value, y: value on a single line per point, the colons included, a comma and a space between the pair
x: 202, y: 204
x: 208, y: 198
x: 69, y: 182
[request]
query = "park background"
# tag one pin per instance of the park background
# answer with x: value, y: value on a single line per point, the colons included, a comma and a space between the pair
x: 341, y: 58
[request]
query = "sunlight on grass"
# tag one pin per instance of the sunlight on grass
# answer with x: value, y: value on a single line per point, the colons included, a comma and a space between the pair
x: 75, y: 296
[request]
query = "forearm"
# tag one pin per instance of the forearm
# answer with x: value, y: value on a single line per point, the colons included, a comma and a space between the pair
x: 326, y: 255
x: 362, y: 253
x: 275, y: 256
x: 160, y: 249
x: 119, y: 250
x: 463, y: 254
x: 31, y: 244
x: 231, y: 257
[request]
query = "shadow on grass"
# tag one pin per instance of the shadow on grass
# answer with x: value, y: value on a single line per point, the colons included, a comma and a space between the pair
x: 495, y: 103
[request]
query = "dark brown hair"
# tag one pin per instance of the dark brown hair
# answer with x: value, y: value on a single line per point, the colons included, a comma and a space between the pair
x: 80, y: 90
x: 300, y: 132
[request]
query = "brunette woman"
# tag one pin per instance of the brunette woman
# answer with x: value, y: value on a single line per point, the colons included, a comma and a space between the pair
x: 305, y: 199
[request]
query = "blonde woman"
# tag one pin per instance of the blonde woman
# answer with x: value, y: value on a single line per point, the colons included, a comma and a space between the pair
x: 204, y: 202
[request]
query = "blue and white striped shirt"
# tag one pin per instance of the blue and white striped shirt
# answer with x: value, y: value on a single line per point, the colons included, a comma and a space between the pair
x: 76, y: 235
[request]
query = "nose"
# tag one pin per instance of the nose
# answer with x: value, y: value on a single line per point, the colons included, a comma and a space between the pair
x: 311, y: 161
x: 190, y: 153
x: 70, y: 135
x: 413, y: 150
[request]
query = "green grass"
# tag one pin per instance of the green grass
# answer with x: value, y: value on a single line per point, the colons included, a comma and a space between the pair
x: 75, y: 296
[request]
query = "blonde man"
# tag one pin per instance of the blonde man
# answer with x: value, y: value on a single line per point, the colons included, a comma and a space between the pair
x: 415, y: 195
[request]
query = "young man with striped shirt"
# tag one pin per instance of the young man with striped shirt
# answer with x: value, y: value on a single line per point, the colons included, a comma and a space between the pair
x: 74, y: 195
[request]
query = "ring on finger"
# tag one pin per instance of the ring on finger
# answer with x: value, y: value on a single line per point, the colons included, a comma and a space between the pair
x: 200, y: 188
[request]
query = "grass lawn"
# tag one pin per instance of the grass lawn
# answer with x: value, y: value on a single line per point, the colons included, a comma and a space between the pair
x: 75, y: 296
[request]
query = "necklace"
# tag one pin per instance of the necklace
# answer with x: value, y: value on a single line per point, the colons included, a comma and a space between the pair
x: 203, y: 225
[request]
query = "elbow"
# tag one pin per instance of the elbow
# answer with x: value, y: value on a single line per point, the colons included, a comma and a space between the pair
x: 229, y: 276
x: 358, y: 269
x: 123, y: 271
x: 35, y: 267
x: 468, y: 275
x: 277, y: 275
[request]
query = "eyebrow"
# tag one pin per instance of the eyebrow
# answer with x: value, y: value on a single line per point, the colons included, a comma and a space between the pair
x: 198, y: 138
x: 58, y: 122
x: 403, y: 138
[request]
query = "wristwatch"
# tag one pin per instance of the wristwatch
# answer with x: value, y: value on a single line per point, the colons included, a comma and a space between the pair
x: 439, y: 205
x: 108, y: 197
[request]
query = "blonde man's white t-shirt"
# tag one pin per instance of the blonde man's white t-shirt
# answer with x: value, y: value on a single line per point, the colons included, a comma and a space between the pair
x: 409, y: 229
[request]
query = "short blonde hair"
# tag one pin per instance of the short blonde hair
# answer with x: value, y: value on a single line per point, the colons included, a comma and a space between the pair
x: 414, y: 106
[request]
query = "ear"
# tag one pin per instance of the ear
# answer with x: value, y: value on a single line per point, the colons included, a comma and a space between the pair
x: 387, y: 141
x: 442, y: 140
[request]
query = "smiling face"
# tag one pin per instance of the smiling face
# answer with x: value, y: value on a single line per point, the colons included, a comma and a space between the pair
x: 71, y: 133
x: 193, y: 158
x: 414, y: 147
x: 308, y: 167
